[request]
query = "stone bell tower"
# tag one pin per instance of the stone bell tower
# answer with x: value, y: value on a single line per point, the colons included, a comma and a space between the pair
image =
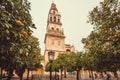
x: 54, y: 37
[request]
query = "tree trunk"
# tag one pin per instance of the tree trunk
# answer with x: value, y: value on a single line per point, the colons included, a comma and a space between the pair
x: 1, y: 71
x: 101, y: 75
x: 28, y: 74
x: 77, y: 74
x: 92, y: 75
x: 61, y: 74
x: 20, y: 72
x: 89, y: 73
x: 55, y: 74
x: 10, y: 74
x: 65, y: 73
x: 116, y: 75
x: 21, y: 76
x: 80, y: 77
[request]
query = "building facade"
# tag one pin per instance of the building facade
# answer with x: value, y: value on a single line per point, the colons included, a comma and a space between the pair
x: 54, y: 37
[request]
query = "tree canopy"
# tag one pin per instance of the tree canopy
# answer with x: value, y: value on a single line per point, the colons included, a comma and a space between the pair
x: 17, y: 44
x: 103, y: 41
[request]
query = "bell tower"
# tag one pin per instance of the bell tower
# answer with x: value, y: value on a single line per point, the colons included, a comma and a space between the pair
x: 54, y: 37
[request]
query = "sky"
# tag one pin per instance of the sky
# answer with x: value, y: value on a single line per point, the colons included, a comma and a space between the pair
x: 74, y: 16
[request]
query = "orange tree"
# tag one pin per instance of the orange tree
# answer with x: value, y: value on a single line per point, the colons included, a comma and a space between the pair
x: 88, y: 61
x: 74, y: 63
x: 103, y: 41
x: 15, y: 31
x: 59, y: 64
x: 67, y: 62
x: 62, y: 61
x: 29, y: 57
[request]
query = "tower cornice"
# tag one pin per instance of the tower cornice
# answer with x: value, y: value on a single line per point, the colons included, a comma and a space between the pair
x: 52, y: 35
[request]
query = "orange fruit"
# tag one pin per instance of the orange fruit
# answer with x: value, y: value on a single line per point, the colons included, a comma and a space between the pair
x: 30, y: 33
x: 19, y: 23
x: 118, y: 32
x: 110, y: 38
x: 24, y: 33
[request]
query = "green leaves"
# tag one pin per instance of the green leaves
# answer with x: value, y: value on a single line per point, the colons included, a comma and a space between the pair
x: 17, y: 46
x: 71, y: 62
x: 21, y: 51
x: 103, y: 42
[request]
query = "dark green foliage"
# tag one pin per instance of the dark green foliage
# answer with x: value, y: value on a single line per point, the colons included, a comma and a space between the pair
x: 17, y: 45
x: 103, y: 42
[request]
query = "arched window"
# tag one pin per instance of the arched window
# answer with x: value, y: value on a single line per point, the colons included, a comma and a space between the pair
x: 52, y: 28
x: 54, y: 19
x: 57, y: 29
x: 54, y: 12
x: 50, y: 18
x: 58, y: 20
x: 68, y: 50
